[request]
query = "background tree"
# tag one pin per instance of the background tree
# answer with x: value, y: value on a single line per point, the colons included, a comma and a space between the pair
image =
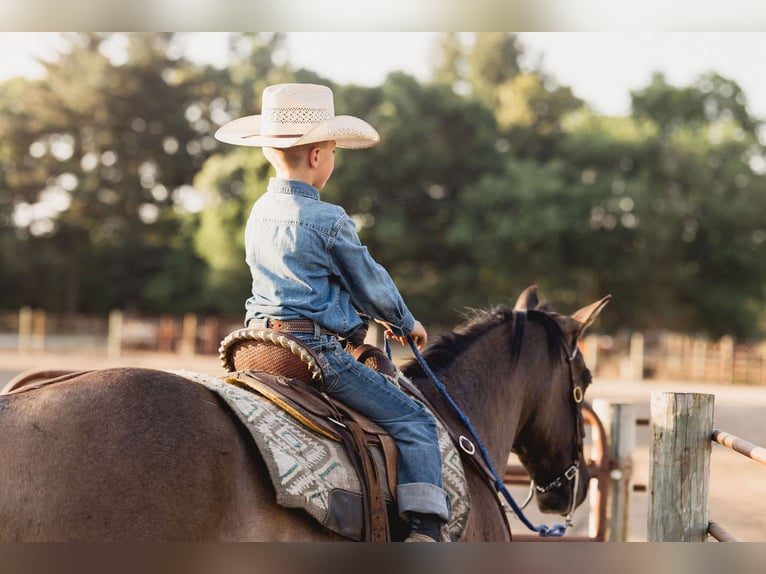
x: 493, y: 60
x: 114, y: 193
x: 101, y: 155
x: 708, y: 189
x: 710, y: 99
x: 405, y: 192
x: 232, y: 183
x: 449, y: 65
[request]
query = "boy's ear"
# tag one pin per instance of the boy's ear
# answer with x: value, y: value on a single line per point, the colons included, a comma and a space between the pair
x: 314, y: 155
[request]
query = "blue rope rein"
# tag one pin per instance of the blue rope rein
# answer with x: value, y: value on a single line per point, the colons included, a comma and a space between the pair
x: 555, y: 531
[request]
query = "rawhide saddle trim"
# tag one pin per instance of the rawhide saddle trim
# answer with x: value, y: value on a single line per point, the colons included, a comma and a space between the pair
x: 270, y: 351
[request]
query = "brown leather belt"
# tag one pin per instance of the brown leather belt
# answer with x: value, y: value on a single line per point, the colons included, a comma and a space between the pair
x: 292, y: 326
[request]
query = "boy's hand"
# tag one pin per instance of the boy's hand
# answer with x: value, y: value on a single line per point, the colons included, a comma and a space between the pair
x: 418, y: 334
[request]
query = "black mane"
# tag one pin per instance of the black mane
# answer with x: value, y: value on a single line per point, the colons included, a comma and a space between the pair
x: 444, y: 350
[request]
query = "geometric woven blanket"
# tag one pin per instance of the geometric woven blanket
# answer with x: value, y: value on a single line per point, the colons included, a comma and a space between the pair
x: 306, y: 468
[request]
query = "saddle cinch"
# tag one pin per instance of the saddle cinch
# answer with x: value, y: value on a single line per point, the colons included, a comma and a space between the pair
x: 280, y: 368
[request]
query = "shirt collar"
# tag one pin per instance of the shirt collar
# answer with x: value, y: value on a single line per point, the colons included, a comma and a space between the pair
x: 293, y: 187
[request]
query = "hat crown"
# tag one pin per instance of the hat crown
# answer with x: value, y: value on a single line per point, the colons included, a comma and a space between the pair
x: 293, y: 109
x: 298, y: 114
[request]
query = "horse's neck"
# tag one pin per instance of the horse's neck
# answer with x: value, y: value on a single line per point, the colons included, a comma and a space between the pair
x: 482, y: 383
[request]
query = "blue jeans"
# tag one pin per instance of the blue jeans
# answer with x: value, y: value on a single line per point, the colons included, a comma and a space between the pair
x: 412, y: 427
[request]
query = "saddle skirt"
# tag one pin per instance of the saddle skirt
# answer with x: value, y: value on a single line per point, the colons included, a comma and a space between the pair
x: 311, y: 468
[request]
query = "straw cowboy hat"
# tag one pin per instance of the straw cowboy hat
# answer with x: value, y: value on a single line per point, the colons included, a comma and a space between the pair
x: 297, y: 114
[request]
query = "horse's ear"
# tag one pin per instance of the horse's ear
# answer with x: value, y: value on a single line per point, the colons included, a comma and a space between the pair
x: 587, y: 315
x: 527, y: 299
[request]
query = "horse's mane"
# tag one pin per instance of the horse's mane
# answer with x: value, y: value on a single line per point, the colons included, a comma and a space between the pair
x: 444, y: 350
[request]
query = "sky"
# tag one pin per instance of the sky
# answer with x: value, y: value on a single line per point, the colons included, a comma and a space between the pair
x: 601, y: 67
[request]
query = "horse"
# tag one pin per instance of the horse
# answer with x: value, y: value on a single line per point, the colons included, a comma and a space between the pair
x: 135, y: 454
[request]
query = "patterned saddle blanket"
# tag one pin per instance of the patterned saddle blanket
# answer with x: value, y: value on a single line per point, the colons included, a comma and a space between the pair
x: 313, y: 472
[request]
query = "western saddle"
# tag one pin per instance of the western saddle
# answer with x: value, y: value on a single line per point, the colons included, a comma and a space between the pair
x: 297, y: 386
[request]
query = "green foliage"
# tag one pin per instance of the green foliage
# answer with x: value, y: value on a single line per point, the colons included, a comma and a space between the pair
x: 231, y: 184
x: 492, y: 62
x: 404, y: 192
x: 676, y: 235
x: 113, y: 192
x: 96, y: 152
x: 712, y: 98
x: 449, y: 62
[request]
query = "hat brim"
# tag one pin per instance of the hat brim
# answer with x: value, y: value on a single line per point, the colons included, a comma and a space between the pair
x: 347, y: 132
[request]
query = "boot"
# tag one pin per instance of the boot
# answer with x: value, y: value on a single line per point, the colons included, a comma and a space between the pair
x: 424, y: 527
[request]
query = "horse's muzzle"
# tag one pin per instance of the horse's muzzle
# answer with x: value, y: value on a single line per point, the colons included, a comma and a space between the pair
x: 559, y: 500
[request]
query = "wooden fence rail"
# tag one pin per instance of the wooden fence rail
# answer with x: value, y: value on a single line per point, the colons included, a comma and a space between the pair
x: 34, y: 330
x: 637, y: 356
x: 671, y: 356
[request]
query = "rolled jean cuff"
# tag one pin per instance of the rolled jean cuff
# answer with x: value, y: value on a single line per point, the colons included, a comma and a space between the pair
x: 424, y: 498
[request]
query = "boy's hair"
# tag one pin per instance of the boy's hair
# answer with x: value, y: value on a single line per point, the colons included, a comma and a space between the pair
x: 292, y: 156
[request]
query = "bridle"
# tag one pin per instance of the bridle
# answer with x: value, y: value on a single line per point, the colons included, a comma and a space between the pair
x: 572, y: 473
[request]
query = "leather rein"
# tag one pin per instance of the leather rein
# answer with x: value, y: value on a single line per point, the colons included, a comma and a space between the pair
x: 471, y: 445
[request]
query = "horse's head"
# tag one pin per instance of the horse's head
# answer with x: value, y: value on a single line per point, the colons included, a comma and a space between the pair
x: 550, y: 439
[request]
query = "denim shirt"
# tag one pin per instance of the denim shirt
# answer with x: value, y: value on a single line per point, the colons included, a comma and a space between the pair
x: 307, y: 262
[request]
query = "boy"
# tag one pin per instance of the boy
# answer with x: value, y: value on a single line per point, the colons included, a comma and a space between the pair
x: 312, y: 277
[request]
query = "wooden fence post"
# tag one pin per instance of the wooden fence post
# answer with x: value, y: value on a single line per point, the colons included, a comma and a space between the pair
x: 699, y: 360
x: 165, y: 334
x: 25, y: 329
x: 679, y: 467
x: 637, y: 356
x: 726, y: 359
x: 210, y: 336
x: 619, y: 422
x: 114, y: 334
x: 188, y: 344
x: 38, y: 330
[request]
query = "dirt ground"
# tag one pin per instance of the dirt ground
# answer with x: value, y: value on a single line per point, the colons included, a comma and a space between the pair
x: 736, y: 484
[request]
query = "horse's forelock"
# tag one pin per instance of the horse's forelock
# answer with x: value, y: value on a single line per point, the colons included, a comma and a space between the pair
x: 554, y: 336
